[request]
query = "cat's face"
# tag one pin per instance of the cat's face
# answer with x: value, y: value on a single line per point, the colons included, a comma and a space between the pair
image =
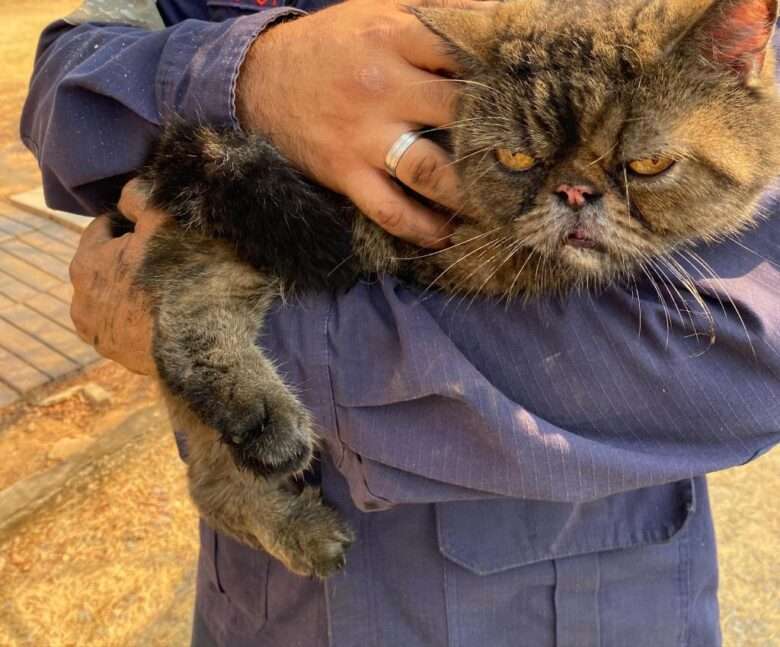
x: 606, y: 133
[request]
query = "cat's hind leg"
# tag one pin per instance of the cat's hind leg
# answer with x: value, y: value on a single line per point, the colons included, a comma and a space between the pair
x: 208, y: 309
x: 290, y: 523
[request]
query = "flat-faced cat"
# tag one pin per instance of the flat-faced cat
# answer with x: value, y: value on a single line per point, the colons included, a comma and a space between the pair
x: 594, y: 139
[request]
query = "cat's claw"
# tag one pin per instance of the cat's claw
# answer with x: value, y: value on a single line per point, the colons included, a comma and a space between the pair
x: 316, y: 538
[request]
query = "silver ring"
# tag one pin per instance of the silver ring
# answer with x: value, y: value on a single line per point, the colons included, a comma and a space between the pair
x: 398, y: 150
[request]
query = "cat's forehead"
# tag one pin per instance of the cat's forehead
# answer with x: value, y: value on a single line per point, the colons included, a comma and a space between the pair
x: 604, y: 34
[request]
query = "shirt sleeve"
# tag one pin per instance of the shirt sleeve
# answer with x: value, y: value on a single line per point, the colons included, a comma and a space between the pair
x: 428, y: 400
x: 100, y: 91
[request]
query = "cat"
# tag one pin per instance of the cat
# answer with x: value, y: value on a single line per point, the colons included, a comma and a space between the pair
x: 595, y: 139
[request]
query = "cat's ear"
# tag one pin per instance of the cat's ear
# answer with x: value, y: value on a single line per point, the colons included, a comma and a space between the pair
x: 470, y: 34
x: 736, y: 35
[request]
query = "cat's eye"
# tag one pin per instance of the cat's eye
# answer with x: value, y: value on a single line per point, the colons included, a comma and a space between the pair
x: 651, y: 165
x: 515, y: 160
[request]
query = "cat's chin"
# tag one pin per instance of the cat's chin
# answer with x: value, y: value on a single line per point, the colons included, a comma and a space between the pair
x: 591, y: 260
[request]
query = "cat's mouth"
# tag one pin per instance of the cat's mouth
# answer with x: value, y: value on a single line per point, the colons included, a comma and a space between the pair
x: 580, y: 238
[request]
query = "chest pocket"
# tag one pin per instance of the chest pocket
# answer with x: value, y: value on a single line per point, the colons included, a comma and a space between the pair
x: 592, y: 560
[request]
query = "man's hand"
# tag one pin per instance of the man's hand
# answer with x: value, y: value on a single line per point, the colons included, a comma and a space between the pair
x: 335, y: 89
x: 108, y: 311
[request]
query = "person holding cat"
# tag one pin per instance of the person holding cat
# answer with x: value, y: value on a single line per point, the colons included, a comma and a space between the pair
x: 521, y: 474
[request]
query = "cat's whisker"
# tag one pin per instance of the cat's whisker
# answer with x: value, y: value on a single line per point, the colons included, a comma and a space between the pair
x: 467, y: 120
x: 341, y: 264
x: 451, y: 124
x: 446, y: 249
x: 635, y: 290
x: 481, y: 175
x: 628, y: 194
x: 676, y: 298
x: 604, y: 156
x: 515, y: 246
x: 511, y: 291
x: 486, y: 149
x: 455, y: 264
x: 478, y: 84
x: 465, y: 281
x: 661, y: 299
x: 693, y: 256
x: 471, y: 185
x: 540, y: 264
x: 499, y: 244
x: 688, y: 282
x: 685, y: 254
x: 739, y: 243
x: 698, y: 265
x: 513, y: 252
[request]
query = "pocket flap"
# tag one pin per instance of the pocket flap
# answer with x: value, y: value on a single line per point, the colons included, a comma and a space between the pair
x: 487, y: 537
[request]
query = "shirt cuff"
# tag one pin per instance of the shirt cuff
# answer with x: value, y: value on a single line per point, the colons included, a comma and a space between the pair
x: 199, y: 68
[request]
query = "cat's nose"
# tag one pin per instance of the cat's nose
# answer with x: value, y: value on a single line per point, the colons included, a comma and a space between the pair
x: 578, y: 195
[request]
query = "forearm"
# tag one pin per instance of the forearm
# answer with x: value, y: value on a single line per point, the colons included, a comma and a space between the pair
x: 429, y: 402
x: 100, y: 92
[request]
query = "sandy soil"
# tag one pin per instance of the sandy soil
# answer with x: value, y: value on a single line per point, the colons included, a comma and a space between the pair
x: 111, y: 560
x: 36, y: 437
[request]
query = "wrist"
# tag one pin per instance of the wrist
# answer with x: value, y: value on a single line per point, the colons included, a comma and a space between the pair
x: 259, y: 77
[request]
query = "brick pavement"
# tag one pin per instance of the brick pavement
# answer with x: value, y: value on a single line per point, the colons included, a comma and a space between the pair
x: 37, y: 339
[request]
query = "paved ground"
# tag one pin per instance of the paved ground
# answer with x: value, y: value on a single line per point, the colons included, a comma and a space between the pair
x: 102, y: 554
x: 37, y: 339
x: 37, y: 342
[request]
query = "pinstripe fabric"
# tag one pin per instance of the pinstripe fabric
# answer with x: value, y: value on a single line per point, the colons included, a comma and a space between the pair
x: 557, y: 401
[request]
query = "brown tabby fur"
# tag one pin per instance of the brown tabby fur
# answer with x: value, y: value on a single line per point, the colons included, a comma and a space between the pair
x: 583, y: 87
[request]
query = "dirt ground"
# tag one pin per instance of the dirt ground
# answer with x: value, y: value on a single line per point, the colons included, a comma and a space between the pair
x: 109, y: 559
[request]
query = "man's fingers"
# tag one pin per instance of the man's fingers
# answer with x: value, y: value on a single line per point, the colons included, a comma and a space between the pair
x: 133, y: 205
x: 132, y: 201
x: 425, y: 50
x: 426, y: 99
x: 386, y: 204
x: 427, y: 169
x: 97, y: 232
x: 98, y: 248
x: 95, y: 237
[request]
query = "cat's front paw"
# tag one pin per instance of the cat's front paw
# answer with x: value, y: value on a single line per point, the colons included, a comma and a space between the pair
x: 278, y: 440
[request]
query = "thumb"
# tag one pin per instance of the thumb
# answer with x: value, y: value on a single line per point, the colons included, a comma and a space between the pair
x: 133, y: 205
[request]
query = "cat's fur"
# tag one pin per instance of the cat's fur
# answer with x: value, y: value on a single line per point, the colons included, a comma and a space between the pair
x: 583, y: 87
